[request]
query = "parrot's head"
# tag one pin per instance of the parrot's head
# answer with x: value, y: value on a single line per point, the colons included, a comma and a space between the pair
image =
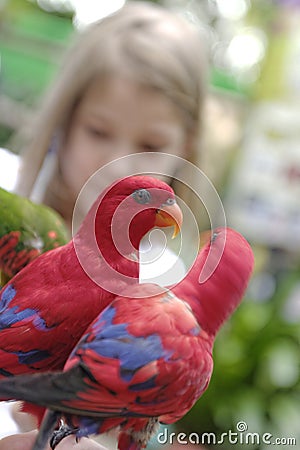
x: 107, y: 242
x: 125, y: 211
x: 136, y: 204
x: 217, y: 281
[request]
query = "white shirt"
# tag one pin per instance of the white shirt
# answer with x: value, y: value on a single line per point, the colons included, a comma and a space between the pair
x: 9, y: 167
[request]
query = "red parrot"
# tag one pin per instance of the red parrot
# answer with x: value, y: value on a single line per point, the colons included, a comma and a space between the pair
x: 145, y: 359
x: 46, y: 307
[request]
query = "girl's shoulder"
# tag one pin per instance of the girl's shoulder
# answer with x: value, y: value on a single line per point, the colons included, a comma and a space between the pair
x: 9, y: 167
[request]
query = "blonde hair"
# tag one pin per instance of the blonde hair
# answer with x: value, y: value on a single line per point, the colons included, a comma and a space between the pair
x: 150, y: 44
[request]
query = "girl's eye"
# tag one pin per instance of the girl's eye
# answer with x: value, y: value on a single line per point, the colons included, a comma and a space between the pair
x: 98, y: 132
x: 151, y: 147
x: 142, y: 196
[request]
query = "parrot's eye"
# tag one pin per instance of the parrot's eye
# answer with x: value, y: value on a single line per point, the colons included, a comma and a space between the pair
x: 142, y: 196
x: 214, y: 237
x: 170, y: 201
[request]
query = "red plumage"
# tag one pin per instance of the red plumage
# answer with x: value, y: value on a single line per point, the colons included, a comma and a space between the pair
x: 120, y: 376
x: 46, y: 307
x: 226, y: 263
x: 144, y: 359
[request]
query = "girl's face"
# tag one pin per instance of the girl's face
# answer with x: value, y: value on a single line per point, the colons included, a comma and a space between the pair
x: 115, y: 118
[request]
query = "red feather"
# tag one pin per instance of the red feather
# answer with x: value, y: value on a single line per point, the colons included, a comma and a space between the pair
x: 227, y: 259
x: 117, y: 376
x: 144, y: 359
x: 46, y: 307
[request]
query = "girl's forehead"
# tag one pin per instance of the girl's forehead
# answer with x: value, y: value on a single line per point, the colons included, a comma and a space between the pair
x: 119, y: 87
x: 112, y: 98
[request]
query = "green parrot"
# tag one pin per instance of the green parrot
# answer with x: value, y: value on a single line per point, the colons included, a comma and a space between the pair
x: 26, y: 230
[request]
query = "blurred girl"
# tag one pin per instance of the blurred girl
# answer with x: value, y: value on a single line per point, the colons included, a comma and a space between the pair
x: 133, y: 82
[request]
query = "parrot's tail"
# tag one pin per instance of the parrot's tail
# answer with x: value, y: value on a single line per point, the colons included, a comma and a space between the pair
x: 47, y: 389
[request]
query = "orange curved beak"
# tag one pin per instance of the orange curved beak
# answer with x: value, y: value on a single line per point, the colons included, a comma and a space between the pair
x: 168, y: 216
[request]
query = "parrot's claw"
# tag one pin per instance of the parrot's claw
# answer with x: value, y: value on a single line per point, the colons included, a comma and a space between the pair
x: 58, y: 435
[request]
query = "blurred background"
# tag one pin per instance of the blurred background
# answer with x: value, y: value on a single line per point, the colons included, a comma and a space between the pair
x: 251, y: 152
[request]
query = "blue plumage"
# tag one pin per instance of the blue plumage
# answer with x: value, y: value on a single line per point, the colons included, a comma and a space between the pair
x: 6, y: 296
x: 195, y: 331
x: 105, y: 318
x: 148, y: 384
x: 32, y: 356
x: 114, y: 341
x: 12, y: 315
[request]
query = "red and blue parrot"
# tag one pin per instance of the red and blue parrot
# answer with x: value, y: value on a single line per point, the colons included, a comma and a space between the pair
x: 46, y: 307
x: 145, y: 359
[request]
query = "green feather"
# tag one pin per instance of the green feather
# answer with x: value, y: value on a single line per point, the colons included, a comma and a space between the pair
x: 26, y: 226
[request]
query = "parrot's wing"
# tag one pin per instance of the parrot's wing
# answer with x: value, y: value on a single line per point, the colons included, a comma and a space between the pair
x: 142, y: 359
x: 16, y: 323
x: 38, y: 322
